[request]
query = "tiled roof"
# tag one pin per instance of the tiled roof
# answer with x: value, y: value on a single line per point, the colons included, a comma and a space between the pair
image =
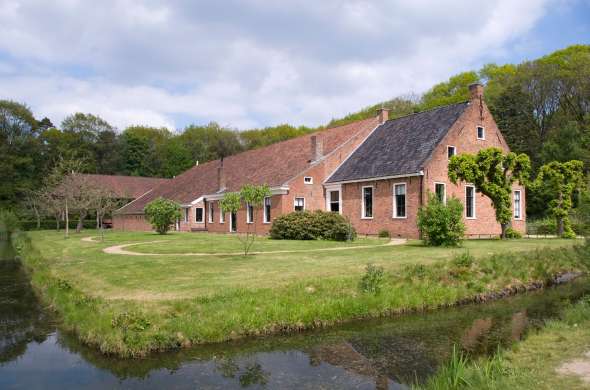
x: 399, y: 146
x: 273, y: 165
x: 129, y: 187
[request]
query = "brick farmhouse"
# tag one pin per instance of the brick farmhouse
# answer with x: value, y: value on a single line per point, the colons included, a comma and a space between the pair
x: 377, y: 172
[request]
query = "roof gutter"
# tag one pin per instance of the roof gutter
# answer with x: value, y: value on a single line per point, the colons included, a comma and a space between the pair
x: 280, y: 190
x: 421, y: 173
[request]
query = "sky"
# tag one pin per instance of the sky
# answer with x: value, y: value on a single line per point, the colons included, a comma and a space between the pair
x: 255, y: 63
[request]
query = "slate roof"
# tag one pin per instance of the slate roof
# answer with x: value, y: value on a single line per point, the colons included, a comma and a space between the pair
x: 399, y: 146
x: 123, y: 187
x: 273, y: 165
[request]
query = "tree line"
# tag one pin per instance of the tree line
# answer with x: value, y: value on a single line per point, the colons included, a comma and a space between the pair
x: 541, y: 106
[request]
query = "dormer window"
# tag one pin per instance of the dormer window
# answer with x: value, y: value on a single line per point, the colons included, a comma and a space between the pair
x: 308, y: 180
x: 451, y: 151
x: 481, y: 132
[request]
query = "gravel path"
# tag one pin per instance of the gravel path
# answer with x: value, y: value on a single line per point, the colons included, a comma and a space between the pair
x: 121, y: 249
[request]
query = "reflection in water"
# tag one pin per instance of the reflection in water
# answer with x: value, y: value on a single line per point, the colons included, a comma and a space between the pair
x: 373, y: 354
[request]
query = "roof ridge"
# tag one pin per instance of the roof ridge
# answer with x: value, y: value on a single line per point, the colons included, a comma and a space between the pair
x: 425, y: 111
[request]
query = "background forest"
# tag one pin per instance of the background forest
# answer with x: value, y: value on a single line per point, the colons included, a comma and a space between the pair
x: 541, y: 106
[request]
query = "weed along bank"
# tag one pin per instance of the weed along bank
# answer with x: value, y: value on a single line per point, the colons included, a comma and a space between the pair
x: 376, y: 172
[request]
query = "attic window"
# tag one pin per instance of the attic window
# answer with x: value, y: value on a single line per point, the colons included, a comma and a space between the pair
x: 451, y: 151
x: 481, y: 133
x: 308, y: 180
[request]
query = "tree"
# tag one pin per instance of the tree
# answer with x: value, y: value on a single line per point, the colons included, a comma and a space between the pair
x: 161, y: 214
x: 103, y: 201
x: 84, y: 133
x: 253, y: 197
x: 561, y: 180
x: 440, y: 223
x: 20, y: 164
x: 453, y: 91
x: 493, y: 174
x: 63, y: 185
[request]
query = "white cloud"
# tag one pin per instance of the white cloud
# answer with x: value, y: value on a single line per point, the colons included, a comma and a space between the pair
x: 240, y: 63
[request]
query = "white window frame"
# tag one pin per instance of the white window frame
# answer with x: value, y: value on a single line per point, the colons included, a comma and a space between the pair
x: 474, y: 202
x: 363, y: 202
x: 265, y: 216
x: 221, y: 215
x: 308, y: 180
x: 329, y: 199
x: 249, y: 218
x: 454, y: 151
x: 395, y: 216
x: 483, y: 131
x: 445, y: 190
x: 187, y: 216
x: 295, y: 202
x: 519, y: 218
x: 202, y: 215
x: 210, y: 215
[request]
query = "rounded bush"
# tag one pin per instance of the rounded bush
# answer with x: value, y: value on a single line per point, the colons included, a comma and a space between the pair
x: 317, y: 225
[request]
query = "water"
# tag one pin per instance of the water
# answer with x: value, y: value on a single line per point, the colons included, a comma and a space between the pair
x: 382, y: 354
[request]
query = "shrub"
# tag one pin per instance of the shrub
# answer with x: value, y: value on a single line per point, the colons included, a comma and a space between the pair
x: 464, y: 260
x: 384, y: 234
x: 372, y: 280
x: 162, y: 213
x: 312, y: 226
x: 440, y: 223
x: 9, y: 222
x: 511, y: 233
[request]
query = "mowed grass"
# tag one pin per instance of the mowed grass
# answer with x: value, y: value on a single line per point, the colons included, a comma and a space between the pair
x: 132, y: 305
x: 165, y: 277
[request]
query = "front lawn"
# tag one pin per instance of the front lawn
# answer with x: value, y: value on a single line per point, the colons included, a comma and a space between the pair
x: 133, y: 304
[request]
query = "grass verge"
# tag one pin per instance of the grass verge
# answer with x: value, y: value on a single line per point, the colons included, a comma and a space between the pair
x: 135, y: 327
x: 531, y: 364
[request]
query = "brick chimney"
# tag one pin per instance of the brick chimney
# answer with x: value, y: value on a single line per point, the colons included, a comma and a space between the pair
x: 383, y: 114
x: 316, y: 148
x: 476, y: 92
x: 221, y: 177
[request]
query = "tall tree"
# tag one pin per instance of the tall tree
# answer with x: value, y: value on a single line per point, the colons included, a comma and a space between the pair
x: 19, y: 148
x: 493, y: 173
x: 561, y: 180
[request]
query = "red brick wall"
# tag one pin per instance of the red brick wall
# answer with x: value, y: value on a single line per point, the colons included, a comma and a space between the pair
x: 463, y: 135
x: 261, y: 227
x: 383, y: 207
x: 135, y: 222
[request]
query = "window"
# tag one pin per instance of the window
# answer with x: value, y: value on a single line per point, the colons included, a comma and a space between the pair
x: 249, y: 213
x: 199, y: 215
x: 299, y: 204
x: 334, y: 201
x: 186, y: 215
x: 221, y: 216
x: 308, y: 180
x: 517, y: 205
x: 481, y: 133
x: 367, y: 211
x: 470, y: 202
x: 399, y: 200
x: 267, y: 208
x: 210, y: 212
x: 440, y: 190
x: 451, y: 151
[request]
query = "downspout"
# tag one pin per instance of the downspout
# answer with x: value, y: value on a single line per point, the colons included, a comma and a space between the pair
x: 421, y: 202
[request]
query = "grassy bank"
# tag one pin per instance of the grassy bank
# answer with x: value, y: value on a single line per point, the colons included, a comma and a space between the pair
x: 536, y: 363
x: 131, y: 305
